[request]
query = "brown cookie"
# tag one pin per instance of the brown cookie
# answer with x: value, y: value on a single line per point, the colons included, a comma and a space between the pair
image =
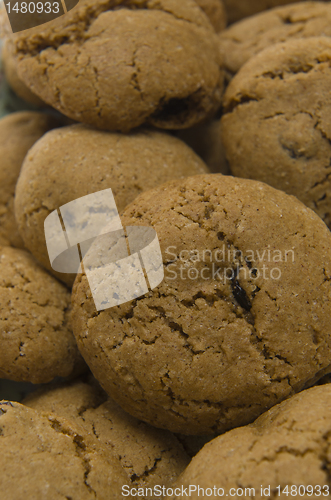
x: 238, y: 9
x: 149, y: 456
x: 276, y: 122
x: 215, y: 11
x: 247, y: 38
x: 285, y: 452
x: 241, y: 320
x: 206, y: 140
x: 10, y: 68
x: 35, y: 322
x: 128, y: 164
x: 118, y: 64
x: 18, y: 132
x: 43, y: 456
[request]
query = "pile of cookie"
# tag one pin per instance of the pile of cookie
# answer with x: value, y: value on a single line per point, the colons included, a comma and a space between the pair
x: 215, y: 382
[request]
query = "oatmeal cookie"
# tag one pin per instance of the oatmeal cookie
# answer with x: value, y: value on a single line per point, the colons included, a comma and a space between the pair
x: 37, y: 344
x: 74, y: 161
x: 276, y: 122
x: 290, y: 445
x: 18, y: 132
x: 149, y: 456
x: 44, y: 456
x: 116, y: 64
x: 241, y: 321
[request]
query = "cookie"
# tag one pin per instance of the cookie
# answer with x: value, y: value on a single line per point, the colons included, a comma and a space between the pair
x: 247, y: 38
x: 128, y: 164
x: 206, y: 140
x: 286, y: 450
x: 282, y: 97
x: 238, y: 9
x: 18, y: 132
x: 37, y: 344
x: 149, y: 456
x: 119, y: 64
x: 241, y: 320
x: 49, y: 457
x: 10, y: 69
x: 215, y: 11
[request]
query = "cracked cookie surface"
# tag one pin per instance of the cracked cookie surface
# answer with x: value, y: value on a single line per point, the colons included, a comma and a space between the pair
x: 80, y: 161
x: 117, y: 64
x: 243, y: 40
x: 220, y: 340
x: 9, y: 62
x: 288, y: 445
x: 37, y: 343
x: 149, y: 456
x: 18, y: 132
x: 282, y: 96
x: 44, y: 456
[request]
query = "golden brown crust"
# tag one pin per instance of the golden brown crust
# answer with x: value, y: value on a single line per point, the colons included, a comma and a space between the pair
x: 64, y: 63
x: 149, y: 456
x: 215, y: 10
x: 37, y: 344
x: 282, y: 96
x: 128, y: 164
x: 220, y: 350
x: 43, y: 456
x: 18, y: 132
x: 288, y: 445
x: 247, y: 38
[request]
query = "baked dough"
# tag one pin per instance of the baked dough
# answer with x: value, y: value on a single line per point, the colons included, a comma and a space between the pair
x: 241, y: 321
x: 276, y: 122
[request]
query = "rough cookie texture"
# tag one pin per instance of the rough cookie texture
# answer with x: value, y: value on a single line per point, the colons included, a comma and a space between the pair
x: 10, y: 68
x: 276, y: 122
x: 247, y: 38
x: 149, y: 456
x: 288, y: 445
x: 206, y: 140
x: 117, y: 64
x: 35, y: 322
x: 215, y: 11
x: 238, y: 9
x: 241, y: 321
x: 80, y: 161
x: 18, y: 132
x: 43, y: 456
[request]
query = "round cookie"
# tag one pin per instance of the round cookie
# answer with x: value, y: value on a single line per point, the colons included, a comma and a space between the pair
x: 241, y: 320
x: 289, y: 446
x: 206, y: 140
x: 238, y: 9
x: 10, y: 68
x: 128, y: 164
x: 35, y: 322
x: 49, y: 457
x: 247, y: 38
x: 215, y: 11
x: 118, y: 64
x: 149, y: 456
x: 276, y: 122
x: 18, y: 132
